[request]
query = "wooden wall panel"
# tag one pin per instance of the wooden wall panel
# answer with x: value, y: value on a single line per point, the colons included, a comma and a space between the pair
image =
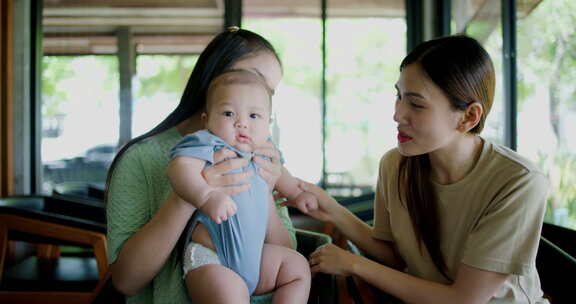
x: 6, y: 28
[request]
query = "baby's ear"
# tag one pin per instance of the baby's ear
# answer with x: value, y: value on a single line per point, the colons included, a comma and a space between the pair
x: 204, y: 117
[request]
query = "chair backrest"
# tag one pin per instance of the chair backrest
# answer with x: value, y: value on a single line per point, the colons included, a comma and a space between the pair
x: 555, y: 267
x: 49, y: 277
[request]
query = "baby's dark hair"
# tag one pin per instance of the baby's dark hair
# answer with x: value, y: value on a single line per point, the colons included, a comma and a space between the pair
x: 237, y: 76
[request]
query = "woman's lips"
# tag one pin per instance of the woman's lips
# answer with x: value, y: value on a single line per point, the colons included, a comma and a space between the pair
x: 403, y: 137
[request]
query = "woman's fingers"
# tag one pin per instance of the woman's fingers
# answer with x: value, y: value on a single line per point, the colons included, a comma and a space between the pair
x: 231, y: 190
x: 269, y: 150
x: 217, y: 175
x: 222, y: 154
x: 270, y: 171
x: 228, y: 165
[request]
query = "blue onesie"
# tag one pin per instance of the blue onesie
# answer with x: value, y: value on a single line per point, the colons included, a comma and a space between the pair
x: 240, y: 239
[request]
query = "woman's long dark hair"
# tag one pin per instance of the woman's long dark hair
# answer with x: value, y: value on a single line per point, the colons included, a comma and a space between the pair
x: 220, y: 54
x: 461, y: 67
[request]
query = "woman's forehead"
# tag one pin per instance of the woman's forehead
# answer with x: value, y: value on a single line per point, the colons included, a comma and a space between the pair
x: 265, y: 64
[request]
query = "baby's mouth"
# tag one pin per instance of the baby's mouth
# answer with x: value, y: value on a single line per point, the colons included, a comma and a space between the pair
x: 244, y: 139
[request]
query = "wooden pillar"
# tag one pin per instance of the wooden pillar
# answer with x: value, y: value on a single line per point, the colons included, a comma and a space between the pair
x: 6, y: 170
x: 127, y: 69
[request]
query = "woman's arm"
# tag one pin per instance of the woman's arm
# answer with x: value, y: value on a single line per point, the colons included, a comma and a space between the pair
x: 329, y: 210
x: 189, y: 184
x: 472, y: 285
x: 146, y: 243
x: 145, y: 252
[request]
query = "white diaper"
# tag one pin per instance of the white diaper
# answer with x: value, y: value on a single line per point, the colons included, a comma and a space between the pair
x: 197, y: 255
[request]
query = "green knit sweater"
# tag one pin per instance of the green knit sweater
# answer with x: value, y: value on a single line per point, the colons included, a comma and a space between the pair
x: 138, y: 188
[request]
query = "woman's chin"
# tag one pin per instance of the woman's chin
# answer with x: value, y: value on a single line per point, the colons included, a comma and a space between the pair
x: 406, y: 151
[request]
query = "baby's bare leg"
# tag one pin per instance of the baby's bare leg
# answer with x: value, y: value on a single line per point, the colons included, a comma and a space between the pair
x: 286, y: 272
x: 215, y: 284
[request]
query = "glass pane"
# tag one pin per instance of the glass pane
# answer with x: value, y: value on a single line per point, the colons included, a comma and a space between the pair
x: 297, y: 118
x: 482, y: 21
x: 546, y: 106
x: 158, y: 86
x: 79, y: 120
x: 82, y: 41
x: 364, y: 52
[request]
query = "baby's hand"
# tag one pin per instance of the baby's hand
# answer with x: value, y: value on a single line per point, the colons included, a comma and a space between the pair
x: 219, y: 207
x: 306, y: 202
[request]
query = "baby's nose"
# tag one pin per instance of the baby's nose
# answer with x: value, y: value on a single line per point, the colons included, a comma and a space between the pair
x: 240, y: 123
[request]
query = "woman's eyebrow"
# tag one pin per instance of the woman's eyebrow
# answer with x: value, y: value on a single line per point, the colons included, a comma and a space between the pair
x: 412, y: 94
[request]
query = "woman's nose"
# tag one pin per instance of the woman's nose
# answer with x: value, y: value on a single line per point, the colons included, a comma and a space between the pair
x: 398, y: 113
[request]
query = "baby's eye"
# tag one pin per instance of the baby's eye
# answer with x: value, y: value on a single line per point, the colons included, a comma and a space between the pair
x: 255, y: 115
x: 228, y: 113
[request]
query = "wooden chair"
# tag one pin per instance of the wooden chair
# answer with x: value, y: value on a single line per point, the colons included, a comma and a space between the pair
x: 49, y: 276
x: 555, y: 268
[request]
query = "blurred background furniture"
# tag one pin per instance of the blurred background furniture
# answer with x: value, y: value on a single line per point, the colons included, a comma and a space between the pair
x: 66, y: 264
x: 556, y: 262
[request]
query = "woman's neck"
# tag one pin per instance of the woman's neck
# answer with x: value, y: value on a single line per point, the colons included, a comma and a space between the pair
x: 190, y: 125
x: 453, y: 163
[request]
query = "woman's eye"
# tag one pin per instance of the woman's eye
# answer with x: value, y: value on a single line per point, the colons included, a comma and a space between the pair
x: 417, y: 106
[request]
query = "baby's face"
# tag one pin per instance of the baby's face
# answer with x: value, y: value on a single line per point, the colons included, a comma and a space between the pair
x: 240, y: 115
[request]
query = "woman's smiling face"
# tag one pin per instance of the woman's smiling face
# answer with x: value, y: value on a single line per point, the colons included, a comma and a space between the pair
x: 426, y: 120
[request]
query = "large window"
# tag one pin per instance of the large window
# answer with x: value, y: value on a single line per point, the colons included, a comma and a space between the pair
x: 365, y: 42
x: 363, y: 59
x: 482, y: 21
x: 545, y: 107
x: 297, y: 122
x: 88, y: 47
x: 79, y: 119
x: 546, y: 101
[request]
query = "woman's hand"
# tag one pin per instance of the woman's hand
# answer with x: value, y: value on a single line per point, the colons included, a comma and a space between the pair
x: 269, y: 170
x: 332, y: 259
x: 327, y: 207
x: 217, y: 177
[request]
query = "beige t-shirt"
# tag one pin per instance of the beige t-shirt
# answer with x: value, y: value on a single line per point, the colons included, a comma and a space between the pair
x: 491, y: 220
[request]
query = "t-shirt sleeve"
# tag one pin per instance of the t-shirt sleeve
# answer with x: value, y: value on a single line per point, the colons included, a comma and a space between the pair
x: 127, y: 206
x: 382, y: 230
x: 505, y: 239
x: 199, y: 145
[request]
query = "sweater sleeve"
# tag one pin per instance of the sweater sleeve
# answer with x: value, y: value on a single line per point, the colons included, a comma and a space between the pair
x: 128, y: 204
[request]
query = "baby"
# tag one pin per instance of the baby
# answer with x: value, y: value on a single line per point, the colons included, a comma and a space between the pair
x: 231, y: 231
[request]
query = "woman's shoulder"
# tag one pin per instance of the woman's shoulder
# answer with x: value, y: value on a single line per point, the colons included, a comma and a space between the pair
x: 155, y: 147
x: 390, y: 161
x: 505, y: 160
x: 509, y: 169
x: 391, y: 157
